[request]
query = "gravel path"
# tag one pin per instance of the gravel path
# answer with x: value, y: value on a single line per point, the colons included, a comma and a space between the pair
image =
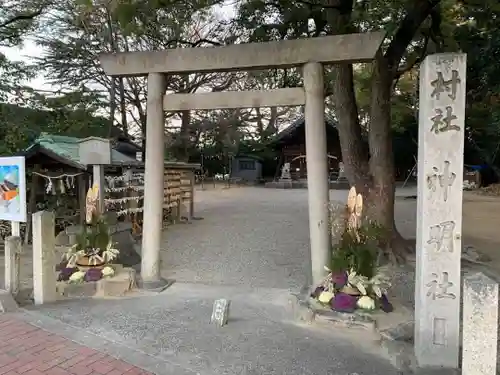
x: 251, y: 236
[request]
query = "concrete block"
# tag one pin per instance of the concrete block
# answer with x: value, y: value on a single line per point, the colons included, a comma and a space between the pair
x: 13, y: 249
x: 480, y: 325
x: 80, y: 290
x: 7, y: 302
x: 44, y: 276
x: 118, y: 285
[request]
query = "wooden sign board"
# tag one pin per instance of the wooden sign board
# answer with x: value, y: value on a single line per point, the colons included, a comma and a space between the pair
x: 95, y: 151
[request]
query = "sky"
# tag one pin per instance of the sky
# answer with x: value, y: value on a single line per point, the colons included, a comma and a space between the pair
x: 30, y: 49
x: 24, y: 53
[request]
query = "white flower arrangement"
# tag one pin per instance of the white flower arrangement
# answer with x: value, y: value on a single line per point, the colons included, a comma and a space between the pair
x: 380, y: 283
x: 77, y: 277
x: 357, y: 281
x: 325, y: 297
x: 366, y: 303
x: 108, y: 271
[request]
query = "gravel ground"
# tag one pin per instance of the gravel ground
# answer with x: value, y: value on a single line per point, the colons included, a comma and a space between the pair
x: 251, y: 236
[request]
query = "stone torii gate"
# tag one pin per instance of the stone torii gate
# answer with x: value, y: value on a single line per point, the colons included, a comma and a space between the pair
x: 311, y: 54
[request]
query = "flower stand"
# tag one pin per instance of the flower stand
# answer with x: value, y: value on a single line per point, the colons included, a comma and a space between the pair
x: 118, y: 285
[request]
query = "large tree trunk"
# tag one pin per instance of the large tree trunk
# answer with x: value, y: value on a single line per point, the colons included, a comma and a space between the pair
x: 381, y: 195
x: 372, y: 170
x: 354, y: 149
x: 184, y: 143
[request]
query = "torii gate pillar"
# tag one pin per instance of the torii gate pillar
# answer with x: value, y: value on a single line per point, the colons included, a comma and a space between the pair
x: 317, y: 170
x: 153, y: 184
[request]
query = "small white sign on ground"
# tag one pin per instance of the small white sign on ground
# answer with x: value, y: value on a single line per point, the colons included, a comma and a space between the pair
x: 220, y: 312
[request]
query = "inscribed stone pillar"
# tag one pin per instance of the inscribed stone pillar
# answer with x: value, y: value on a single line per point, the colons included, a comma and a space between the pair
x: 13, y: 248
x: 44, y: 275
x: 153, y: 184
x: 439, y: 210
x: 480, y: 326
x: 317, y: 170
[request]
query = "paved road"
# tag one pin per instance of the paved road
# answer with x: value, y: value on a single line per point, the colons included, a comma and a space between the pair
x: 170, y: 334
x: 27, y: 349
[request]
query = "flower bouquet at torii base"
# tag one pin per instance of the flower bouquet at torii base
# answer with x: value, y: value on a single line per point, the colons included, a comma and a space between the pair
x: 89, y: 258
x: 354, y: 281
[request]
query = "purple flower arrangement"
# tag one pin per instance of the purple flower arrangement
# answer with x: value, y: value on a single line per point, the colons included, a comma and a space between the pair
x: 76, y: 275
x: 344, y: 292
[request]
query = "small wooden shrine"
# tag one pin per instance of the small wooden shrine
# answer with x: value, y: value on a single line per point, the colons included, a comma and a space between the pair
x: 290, y: 145
x: 58, y: 181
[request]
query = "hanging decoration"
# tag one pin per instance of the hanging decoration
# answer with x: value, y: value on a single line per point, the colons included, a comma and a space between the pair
x: 137, y: 177
x: 123, y: 184
x: 123, y: 189
x: 58, y: 183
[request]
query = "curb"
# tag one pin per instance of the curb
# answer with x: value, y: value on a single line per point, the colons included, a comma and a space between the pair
x: 396, y: 342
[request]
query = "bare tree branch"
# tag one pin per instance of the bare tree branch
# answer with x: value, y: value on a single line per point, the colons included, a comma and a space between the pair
x: 21, y: 17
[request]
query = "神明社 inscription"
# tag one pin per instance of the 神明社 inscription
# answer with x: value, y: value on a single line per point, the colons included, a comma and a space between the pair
x: 444, y: 180
x: 438, y: 286
x: 442, y: 236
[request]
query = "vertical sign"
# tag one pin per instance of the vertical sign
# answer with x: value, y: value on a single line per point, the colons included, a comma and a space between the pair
x: 13, y: 190
x: 439, y: 209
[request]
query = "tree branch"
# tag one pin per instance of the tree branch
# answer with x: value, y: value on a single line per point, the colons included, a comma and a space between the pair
x: 21, y: 17
x: 406, y: 32
x: 342, y: 6
x: 416, y: 60
x: 435, y: 29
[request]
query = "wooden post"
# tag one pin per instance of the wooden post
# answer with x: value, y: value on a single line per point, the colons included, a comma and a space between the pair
x: 31, y: 204
x: 191, y: 201
x: 82, y: 192
x: 98, y: 178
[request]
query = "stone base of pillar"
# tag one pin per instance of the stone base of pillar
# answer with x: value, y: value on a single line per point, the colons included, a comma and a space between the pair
x: 154, y: 286
x: 7, y: 303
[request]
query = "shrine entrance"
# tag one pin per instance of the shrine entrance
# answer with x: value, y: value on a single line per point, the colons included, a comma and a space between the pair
x: 298, y: 166
x: 310, y: 54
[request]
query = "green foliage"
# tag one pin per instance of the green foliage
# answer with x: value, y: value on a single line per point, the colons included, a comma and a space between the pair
x: 18, y: 18
x: 478, y: 34
x: 358, y: 251
x: 94, y: 238
x: 20, y: 126
x: 93, y: 243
